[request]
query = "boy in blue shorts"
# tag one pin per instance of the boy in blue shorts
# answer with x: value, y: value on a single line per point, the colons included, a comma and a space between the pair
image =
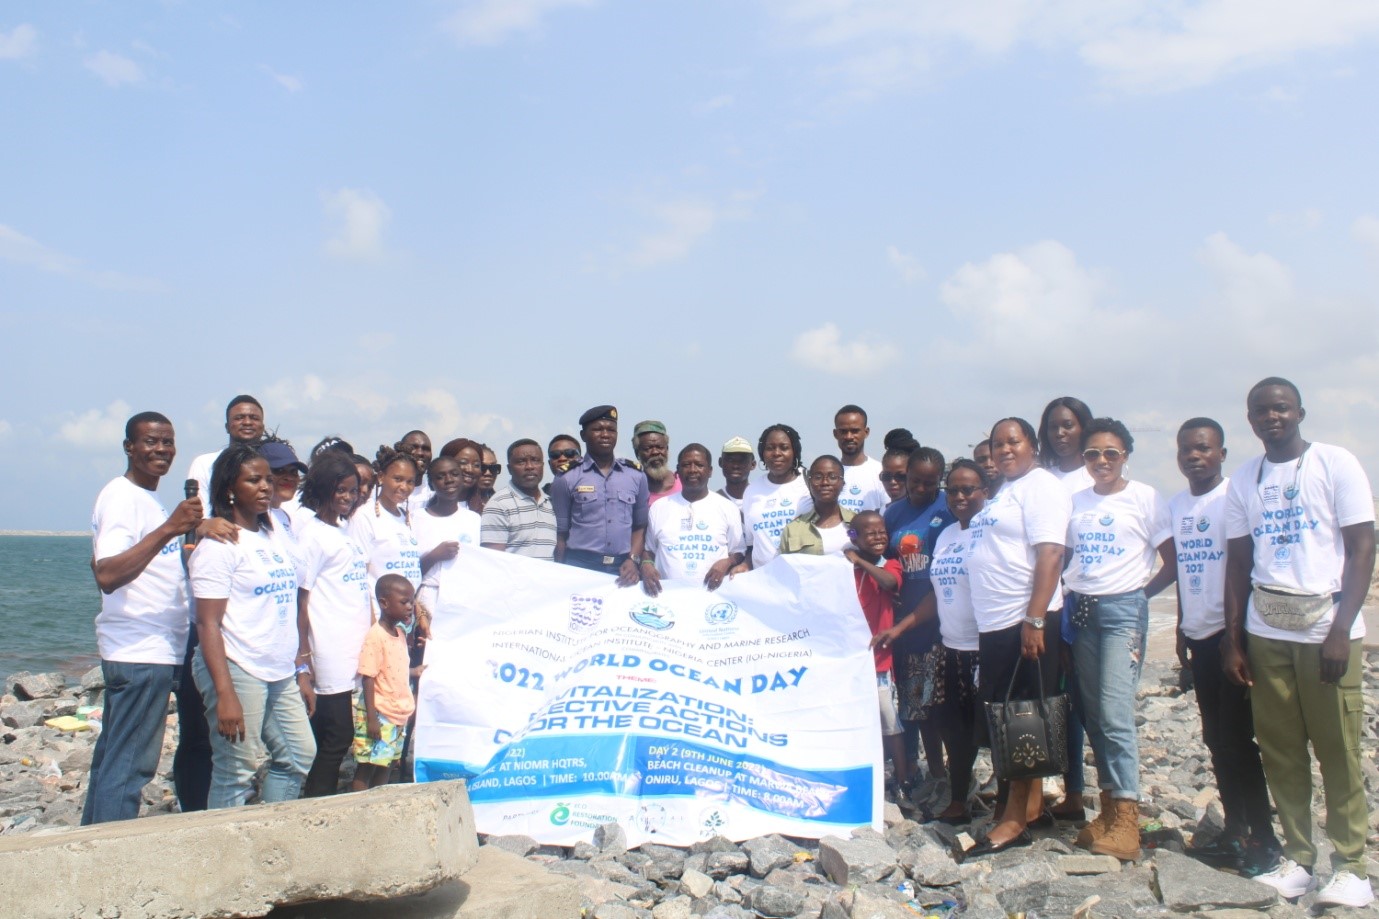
x: 386, y: 702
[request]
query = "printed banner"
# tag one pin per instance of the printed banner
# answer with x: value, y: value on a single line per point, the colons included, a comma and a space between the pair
x: 569, y: 702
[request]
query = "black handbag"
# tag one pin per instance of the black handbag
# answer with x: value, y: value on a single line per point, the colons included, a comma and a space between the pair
x: 1029, y: 737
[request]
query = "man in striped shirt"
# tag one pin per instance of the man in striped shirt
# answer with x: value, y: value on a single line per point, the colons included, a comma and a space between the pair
x: 519, y: 518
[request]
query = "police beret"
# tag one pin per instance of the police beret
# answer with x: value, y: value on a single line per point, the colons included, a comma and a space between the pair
x: 598, y: 413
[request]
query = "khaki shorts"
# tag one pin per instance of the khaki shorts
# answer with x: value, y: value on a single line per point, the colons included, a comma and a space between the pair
x: 890, y: 715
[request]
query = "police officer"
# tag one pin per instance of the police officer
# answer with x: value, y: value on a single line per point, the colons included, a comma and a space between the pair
x: 600, y: 505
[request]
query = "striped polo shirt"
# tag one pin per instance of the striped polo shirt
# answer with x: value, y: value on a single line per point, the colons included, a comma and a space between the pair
x: 526, y: 526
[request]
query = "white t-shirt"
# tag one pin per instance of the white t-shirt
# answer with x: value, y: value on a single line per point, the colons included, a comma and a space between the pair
x: 835, y: 538
x: 862, y: 489
x: 1199, y: 537
x: 336, y: 572
x: 687, y: 537
x: 1295, y: 513
x: 145, y: 621
x: 430, y: 530
x: 256, y: 578
x: 1114, y: 539
x: 1076, y: 480
x: 200, y: 469
x: 737, y: 502
x: 1033, y: 509
x: 416, y: 501
x: 389, y: 543
x: 766, y: 509
x: 288, y: 527
x: 957, y: 623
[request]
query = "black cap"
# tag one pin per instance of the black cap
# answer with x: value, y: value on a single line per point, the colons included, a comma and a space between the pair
x: 598, y: 413
x: 280, y: 456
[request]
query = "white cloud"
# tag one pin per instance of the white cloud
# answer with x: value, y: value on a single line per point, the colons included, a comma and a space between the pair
x: 5, y: 428
x: 724, y: 100
x: 907, y: 266
x: 1365, y: 229
x: 23, y: 250
x: 96, y: 429
x: 823, y: 349
x: 1304, y: 221
x: 116, y: 70
x: 681, y: 223
x: 490, y: 22
x: 19, y: 43
x: 362, y: 218
x: 1132, y: 45
x: 286, y: 81
x: 445, y: 415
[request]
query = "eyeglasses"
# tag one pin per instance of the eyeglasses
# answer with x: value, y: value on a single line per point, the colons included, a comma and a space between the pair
x: 892, y: 476
x: 563, y: 454
x: 1111, y: 453
x: 965, y: 491
x: 491, y: 468
x: 825, y: 478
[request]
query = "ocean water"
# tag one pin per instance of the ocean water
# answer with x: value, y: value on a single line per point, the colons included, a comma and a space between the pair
x: 48, y: 604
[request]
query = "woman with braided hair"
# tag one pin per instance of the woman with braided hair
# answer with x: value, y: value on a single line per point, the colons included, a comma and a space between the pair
x: 773, y: 500
x: 383, y: 526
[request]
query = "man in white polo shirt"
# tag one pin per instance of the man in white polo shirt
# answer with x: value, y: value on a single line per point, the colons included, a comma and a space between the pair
x: 1299, y: 556
x: 141, y: 631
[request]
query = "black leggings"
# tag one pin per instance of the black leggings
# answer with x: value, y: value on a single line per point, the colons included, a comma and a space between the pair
x: 333, y: 725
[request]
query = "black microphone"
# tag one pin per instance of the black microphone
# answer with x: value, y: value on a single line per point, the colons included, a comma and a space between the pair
x: 191, y: 488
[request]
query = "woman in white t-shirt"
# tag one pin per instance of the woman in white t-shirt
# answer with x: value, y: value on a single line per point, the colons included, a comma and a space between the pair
x: 955, y: 688
x: 1116, y: 528
x: 773, y: 500
x: 335, y: 608
x: 1013, y: 570
x: 245, y: 667
x: 445, y: 522
x: 1060, y: 442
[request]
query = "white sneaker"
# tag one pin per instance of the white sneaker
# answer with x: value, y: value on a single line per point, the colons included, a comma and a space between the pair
x: 1290, y: 879
x: 1345, y: 889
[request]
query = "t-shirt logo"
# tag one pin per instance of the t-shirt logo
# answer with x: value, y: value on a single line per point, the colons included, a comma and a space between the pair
x: 263, y: 556
x: 784, y: 502
x: 702, y: 525
x: 1270, y: 494
x: 1282, y: 553
x: 855, y: 490
x: 1185, y: 528
x: 1290, y: 492
x: 1106, y: 520
x: 1203, y: 525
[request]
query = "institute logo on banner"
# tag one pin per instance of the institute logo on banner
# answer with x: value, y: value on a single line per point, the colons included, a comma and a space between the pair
x: 585, y: 612
x: 653, y: 616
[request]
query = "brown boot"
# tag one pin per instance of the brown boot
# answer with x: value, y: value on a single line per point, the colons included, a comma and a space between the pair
x: 1100, y: 825
x: 1123, y: 839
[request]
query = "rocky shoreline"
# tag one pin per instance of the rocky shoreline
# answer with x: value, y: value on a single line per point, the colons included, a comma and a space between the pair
x: 909, y: 869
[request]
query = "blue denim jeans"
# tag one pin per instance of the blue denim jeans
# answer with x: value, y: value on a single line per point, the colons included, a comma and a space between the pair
x: 274, y: 718
x: 131, y: 739
x: 1108, y: 654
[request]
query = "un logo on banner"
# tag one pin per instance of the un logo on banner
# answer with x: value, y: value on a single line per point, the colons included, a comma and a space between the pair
x: 720, y: 613
x: 653, y: 616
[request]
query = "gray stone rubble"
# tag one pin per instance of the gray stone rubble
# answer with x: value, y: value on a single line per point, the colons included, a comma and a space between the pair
x: 910, y: 869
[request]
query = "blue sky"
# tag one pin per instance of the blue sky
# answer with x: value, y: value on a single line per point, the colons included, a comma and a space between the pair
x: 481, y: 218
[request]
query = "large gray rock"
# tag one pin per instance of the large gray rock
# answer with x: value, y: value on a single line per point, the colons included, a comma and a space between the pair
x: 23, y: 714
x: 611, y: 839
x: 867, y: 904
x: 929, y: 864
x: 855, y: 861
x: 1187, y: 884
x: 776, y: 902
x: 520, y: 846
x: 768, y: 853
x: 721, y: 864
x: 28, y: 686
x: 245, y: 861
x: 93, y: 680
x: 695, y: 884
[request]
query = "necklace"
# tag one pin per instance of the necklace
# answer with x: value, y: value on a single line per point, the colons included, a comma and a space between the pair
x: 1291, y: 491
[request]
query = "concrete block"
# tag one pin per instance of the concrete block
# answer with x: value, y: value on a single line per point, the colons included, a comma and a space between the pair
x: 387, y: 842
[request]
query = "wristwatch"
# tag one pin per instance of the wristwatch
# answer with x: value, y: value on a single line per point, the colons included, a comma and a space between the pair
x: 635, y: 559
x: 1036, y: 621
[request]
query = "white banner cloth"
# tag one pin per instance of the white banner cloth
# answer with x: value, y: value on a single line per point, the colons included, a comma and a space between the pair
x: 569, y: 702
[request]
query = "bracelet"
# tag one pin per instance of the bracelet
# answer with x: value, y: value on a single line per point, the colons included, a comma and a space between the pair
x: 647, y: 561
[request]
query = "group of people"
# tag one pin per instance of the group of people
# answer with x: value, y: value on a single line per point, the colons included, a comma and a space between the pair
x: 289, y: 619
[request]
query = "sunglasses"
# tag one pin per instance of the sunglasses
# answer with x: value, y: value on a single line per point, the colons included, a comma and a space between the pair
x: 1111, y: 453
x: 491, y: 468
x: 965, y: 491
x: 563, y: 454
x: 892, y: 476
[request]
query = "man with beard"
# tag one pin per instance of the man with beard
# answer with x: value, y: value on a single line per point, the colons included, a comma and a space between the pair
x: 652, y: 448
x: 862, y: 489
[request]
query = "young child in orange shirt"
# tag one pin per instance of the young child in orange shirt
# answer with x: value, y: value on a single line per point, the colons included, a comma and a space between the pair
x: 386, y: 703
